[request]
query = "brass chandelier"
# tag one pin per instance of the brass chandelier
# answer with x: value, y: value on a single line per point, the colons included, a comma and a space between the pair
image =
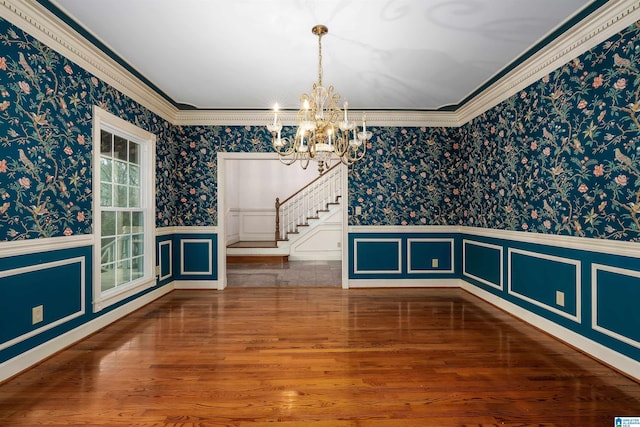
x: 321, y: 134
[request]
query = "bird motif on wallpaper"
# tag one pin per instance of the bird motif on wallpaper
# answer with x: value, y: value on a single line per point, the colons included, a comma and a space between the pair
x: 25, y: 160
x: 25, y: 66
x: 622, y: 62
x: 626, y: 161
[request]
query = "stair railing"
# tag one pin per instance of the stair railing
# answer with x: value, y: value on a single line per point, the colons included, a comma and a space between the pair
x: 308, y: 202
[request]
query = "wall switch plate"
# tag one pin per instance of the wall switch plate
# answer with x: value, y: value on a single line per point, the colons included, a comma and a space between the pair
x: 434, y: 263
x: 560, y: 298
x: 37, y: 314
x: 358, y: 210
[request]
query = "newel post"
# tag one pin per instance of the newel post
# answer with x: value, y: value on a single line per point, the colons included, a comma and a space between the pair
x: 277, y: 219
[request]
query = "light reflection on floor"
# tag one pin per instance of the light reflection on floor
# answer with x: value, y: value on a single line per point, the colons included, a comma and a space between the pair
x: 291, y: 273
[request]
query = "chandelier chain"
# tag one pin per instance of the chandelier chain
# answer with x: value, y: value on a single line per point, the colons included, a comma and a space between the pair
x: 320, y: 59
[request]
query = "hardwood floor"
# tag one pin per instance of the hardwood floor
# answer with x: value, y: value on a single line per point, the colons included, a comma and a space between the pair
x: 319, y: 356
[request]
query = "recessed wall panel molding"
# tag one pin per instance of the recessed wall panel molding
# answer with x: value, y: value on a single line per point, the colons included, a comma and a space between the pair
x: 165, y: 260
x: 430, y: 255
x: 615, y: 295
x: 550, y: 282
x: 56, y: 289
x: 483, y: 262
x: 377, y: 256
x: 196, y: 257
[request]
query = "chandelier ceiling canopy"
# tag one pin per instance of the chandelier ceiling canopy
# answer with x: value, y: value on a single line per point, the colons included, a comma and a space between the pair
x: 323, y: 130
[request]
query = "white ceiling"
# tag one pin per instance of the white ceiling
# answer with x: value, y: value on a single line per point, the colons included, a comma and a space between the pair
x: 379, y: 54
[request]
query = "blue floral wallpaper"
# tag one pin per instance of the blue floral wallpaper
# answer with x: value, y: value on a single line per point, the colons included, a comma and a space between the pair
x: 45, y: 138
x: 559, y: 157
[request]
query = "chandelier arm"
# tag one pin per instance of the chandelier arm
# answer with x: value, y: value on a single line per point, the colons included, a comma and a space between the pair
x: 282, y: 151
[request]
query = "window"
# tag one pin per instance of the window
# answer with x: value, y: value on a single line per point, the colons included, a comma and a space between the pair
x: 124, y: 229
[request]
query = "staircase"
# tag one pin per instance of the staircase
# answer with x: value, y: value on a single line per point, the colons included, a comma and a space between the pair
x: 296, y: 217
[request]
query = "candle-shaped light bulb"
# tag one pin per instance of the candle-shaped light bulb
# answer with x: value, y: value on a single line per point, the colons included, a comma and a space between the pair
x: 306, y: 109
x: 329, y: 132
x: 275, y: 114
x: 364, y: 124
x: 346, y: 105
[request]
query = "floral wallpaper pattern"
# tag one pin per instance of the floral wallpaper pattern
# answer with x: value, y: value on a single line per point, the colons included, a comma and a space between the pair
x: 562, y: 156
x: 45, y: 140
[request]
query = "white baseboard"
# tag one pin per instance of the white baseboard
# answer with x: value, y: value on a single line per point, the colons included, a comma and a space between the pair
x: 37, y: 354
x: 195, y: 284
x: 404, y: 283
x: 598, y: 351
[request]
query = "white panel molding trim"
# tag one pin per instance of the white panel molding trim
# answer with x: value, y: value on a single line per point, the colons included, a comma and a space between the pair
x: 411, y: 270
x: 356, y: 242
x: 25, y: 247
x: 594, y: 300
x: 169, y: 244
x: 577, y: 283
x: 500, y: 284
x: 209, y: 246
x: 405, y: 283
x: 47, y: 266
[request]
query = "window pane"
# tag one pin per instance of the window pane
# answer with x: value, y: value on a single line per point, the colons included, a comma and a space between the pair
x: 119, y: 148
x: 137, y: 221
x: 120, y: 196
x: 124, y: 223
x: 107, y: 250
x: 134, y: 153
x: 137, y: 245
x: 134, y: 175
x: 106, y: 165
x: 108, y: 223
x: 105, y: 143
x: 123, y: 247
x: 107, y: 277
x: 106, y: 195
x: 137, y: 268
x: 120, y: 172
x: 123, y: 272
x: 134, y: 197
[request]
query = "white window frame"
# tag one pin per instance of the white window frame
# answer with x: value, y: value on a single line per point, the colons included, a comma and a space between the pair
x: 103, y: 120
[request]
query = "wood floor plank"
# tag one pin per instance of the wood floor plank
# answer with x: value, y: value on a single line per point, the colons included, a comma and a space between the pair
x: 322, y: 357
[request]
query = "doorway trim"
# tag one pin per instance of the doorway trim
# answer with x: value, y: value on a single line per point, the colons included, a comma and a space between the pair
x: 222, y: 157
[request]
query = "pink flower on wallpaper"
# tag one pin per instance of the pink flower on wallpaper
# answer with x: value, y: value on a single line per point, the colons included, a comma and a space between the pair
x: 3, y: 63
x: 525, y: 226
x: 25, y: 182
x: 598, y: 170
x: 412, y: 168
x: 94, y: 81
x: 583, y: 188
x: 620, y: 84
x: 547, y: 224
x: 68, y: 69
x: 582, y: 104
x: 4, y: 105
x: 621, y: 180
x: 68, y: 150
x: 192, y: 191
x: 546, y: 151
x: 597, y: 81
x: 81, y: 139
x: 80, y: 216
x: 534, y: 214
x: 369, y: 191
x: 24, y: 86
x: 3, y: 166
x: 534, y: 145
x: 67, y: 232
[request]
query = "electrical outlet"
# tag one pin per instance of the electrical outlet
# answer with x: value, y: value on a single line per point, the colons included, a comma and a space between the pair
x: 358, y: 210
x: 560, y: 298
x: 434, y: 263
x: 37, y: 314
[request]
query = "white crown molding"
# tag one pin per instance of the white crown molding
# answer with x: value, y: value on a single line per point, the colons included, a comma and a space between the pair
x: 45, y: 26
x: 42, y: 24
x: 288, y: 118
x: 615, y: 16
